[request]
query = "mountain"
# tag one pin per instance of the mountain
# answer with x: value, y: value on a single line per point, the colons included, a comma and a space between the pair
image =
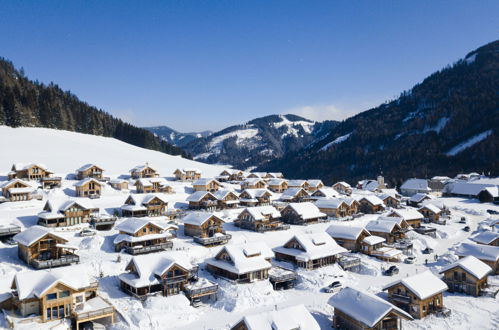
x: 175, y: 137
x: 444, y: 125
x: 29, y: 103
x: 257, y: 141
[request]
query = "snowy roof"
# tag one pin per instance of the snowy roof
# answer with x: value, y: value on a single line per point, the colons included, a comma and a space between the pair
x: 291, y: 193
x: 245, y: 258
x: 381, y: 226
x: 258, y: 212
x: 296, y: 183
x: 8, y: 183
x: 147, y: 182
x: 372, y: 240
x: 373, y: 199
x: 316, y: 245
x: 419, y: 197
x: 255, y: 193
x: 87, y: 167
x: 133, y: 225
x: 370, y: 185
x: 326, y: 191
x: 408, y: 214
x: 349, y: 200
x: 315, y: 183
x: 185, y: 170
x: 222, y: 194
x: 31, y: 284
x: 144, y: 199
x: 117, y: 181
x: 485, y: 237
x: 204, y: 182
x: 307, y: 210
x: 276, y: 182
x: 294, y: 317
x: 330, y: 203
x: 199, y: 195
x: 480, y: 251
x: 342, y: 183
x: 276, y: 174
x: 364, y: 307
x: 423, y: 285
x: 54, y: 207
x: 466, y: 188
x: 198, y: 218
x: 433, y: 208
x: 472, y: 265
x: 345, y: 232
x: 493, y: 191
x: 33, y: 234
x: 398, y: 220
x: 85, y: 181
x: 252, y: 181
x: 140, y: 168
x: 21, y: 166
x: 416, y: 184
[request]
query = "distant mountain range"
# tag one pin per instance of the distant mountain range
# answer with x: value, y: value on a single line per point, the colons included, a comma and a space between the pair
x: 175, y: 137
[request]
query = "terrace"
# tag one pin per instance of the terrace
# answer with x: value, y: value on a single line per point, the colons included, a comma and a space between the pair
x: 63, y: 260
x: 219, y: 238
x: 140, y: 249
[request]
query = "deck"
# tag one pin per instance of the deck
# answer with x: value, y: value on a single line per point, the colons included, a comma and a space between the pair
x: 9, y: 230
x: 148, y: 249
x: 202, y: 287
x: 51, y: 263
x: 214, y: 240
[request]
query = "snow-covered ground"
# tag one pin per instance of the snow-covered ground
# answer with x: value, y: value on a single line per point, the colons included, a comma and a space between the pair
x: 66, y: 151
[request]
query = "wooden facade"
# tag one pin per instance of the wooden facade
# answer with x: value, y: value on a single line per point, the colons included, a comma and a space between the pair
x: 404, y: 298
x: 430, y: 214
x: 278, y: 186
x: 143, y: 171
x: 206, y: 185
x: 151, y: 206
x: 265, y: 221
x: 294, y: 244
x: 29, y: 172
x: 255, y: 197
x: 342, y: 188
x: 210, y: 232
x: 461, y: 280
x: 88, y: 188
x: 90, y: 171
x: 187, y: 174
x: 366, y: 206
x: 17, y: 190
x: 246, y: 277
x: 341, y: 320
x: 148, y: 186
x: 69, y: 215
x: 150, y: 240
x: 207, y: 202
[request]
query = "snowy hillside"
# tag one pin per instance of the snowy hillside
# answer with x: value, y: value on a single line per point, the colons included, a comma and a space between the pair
x: 64, y: 152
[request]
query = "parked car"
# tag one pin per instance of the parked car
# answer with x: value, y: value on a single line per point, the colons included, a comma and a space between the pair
x: 444, y: 312
x: 196, y: 302
x: 492, y: 212
x: 467, y: 229
x: 10, y: 241
x: 463, y: 220
x: 410, y: 260
x: 392, y: 270
x: 428, y: 250
x: 87, y: 232
x: 333, y: 287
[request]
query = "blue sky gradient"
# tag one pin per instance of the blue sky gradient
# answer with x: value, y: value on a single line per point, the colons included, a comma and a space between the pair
x: 196, y: 65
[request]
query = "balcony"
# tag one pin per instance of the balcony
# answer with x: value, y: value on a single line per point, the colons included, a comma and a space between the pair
x: 93, y: 309
x: 279, y: 275
x: 139, y: 249
x: 217, y: 239
x: 200, y: 288
x: 401, y: 298
x: 175, y: 279
x: 51, y: 263
x: 103, y: 221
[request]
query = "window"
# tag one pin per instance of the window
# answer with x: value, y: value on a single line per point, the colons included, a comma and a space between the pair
x: 455, y: 275
x: 463, y: 276
x: 52, y: 296
x: 63, y: 294
x: 79, y: 299
x: 144, y: 230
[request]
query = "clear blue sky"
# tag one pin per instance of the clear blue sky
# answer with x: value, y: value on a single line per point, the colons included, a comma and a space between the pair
x: 197, y: 65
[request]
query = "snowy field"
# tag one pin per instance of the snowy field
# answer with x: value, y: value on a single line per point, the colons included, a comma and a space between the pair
x: 63, y: 152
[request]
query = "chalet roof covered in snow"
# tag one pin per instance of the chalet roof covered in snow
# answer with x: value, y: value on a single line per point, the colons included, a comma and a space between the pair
x: 33, y: 234
x: 364, y: 307
x: 257, y: 193
x: 480, y: 251
x: 370, y: 185
x: 419, y: 197
x: 54, y: 207
x: 485, y: 237
x: 148, y: 182
x: 466, y: 188
x: 198, y: 218
x: 294, y: 317
x: 381, y: 226
x: 296, y: 183
x: 34, y: 284
x: 316, y: 246
x: 199, y: 195
x: 245, y: 258
x: 276, y: 182
x: 472, y: 265
x: 343, y: 183
x: 408, y: 214
x: 22, y: 166
x: 189, y: 169
x: 222, y: 194
x: 416, y: 185
x: 85, y: 181
x: 373, y: 240
x: 291, y: 193
x: 259, y: 212
x: 345, y: 232
x: 252, y: 181
x: 133, y: 225
x: 27, y: 184
x: 329, y: 203
x: 315, y: 183
x: 373, y: 199
x: 144, y: 199
x: 307, y: 210
x: 140, y: 168
x: 328, y: 192
x: 204, y: 182
x: 423, y: 285
x: 432, y: 207
x: 86, y: 167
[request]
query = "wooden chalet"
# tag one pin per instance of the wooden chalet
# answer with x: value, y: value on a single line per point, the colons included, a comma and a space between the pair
x: 244, y: 263
x: 487, y: 238
x: 333, y: 207
x: 375, y: 246
x: 145, y: 205
x: 40, y: 248
x: 66, y: 212
x: 29, y: 172
x: 206, y: 184
x: 277, y: 185
x: 88, y: 187
x: 150, y: 274
x: 371, y: 204
x: 260, y: 219
x: 253, y: 183
x: 349, y: 237
x: 354, y: 309
x: 202, y: 200
x: 353, y: 205
x: 418, y: 295
x: 303, y: 184
x: 410, y: 215
x: 187, y: 174
x: 231, y: 175
x: 314, y: 185
x: 140, y: 236
x: 431, y: 213
x: 389, y: 230
x: 485, y: 253
x: 295, y: 195
x: 309, y: 251
x: 17, y: 190
x: 90, y: 171
x: 153, y: 185
x: 390, y: 200
x: 227, y: 199
x: 417, y: 199
x: 325, y: 193
x: 302, y: 214
x: 143, y: 171
x: 468, y: 275
x: 68, y: 293
x: 343, y: 188
x: 119, y: 184
x: 206, y: 228
x: 255, y: 197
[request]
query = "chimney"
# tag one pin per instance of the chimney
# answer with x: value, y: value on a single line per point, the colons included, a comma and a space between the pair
x: 381, y: 181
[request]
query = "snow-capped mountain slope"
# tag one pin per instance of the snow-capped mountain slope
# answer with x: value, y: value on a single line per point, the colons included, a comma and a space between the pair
x: 258, y: 141
x: 64, y: 152
x: 175, y: 137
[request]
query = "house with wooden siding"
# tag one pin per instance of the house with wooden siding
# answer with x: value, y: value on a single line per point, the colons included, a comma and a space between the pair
x: 17, y: 190
x: 277, y: 185
x: 206, y: 184
x: 390, y: 200
x: 417, y: 199
x: 371, y: 204
x: 314, y: 185
x: 202, y: 200
x: 353, y: 205
x: 88, y: 187
x: 487, y: 238
x: 143, y: 171
x: 303, y: 184
x: 343, y: 188
x: 309, y: 251
x: 410, y: 215
x: 187, y: 174
x: 485, y: 253
x: 333, y: 207
x: 418, y: 295
x: 413, y: 186
x: 139, y: 236
x: 295, y: 195
x: 242, y: 263
x: 349, y: 237
x: 40, y: 248
x: 232, y: 175
x: 260, y: 219
x: 375, y: 246
x: 153, y: 185
x: 255, y: 197
x: 325, y: 192
x: 69, y: 293
x: 467, y: 275
x: 253, y: 183
x: 29, y: 172
x: 302, y: 214
x: 145, y: 205
x: 431, y: 213
x: 90, y: 171
x: 59, y: 212
x: 354, y: 309
x: 206, y: 228
x: 119, y: 184
x: 389, y: 230
x: 227, y: 199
